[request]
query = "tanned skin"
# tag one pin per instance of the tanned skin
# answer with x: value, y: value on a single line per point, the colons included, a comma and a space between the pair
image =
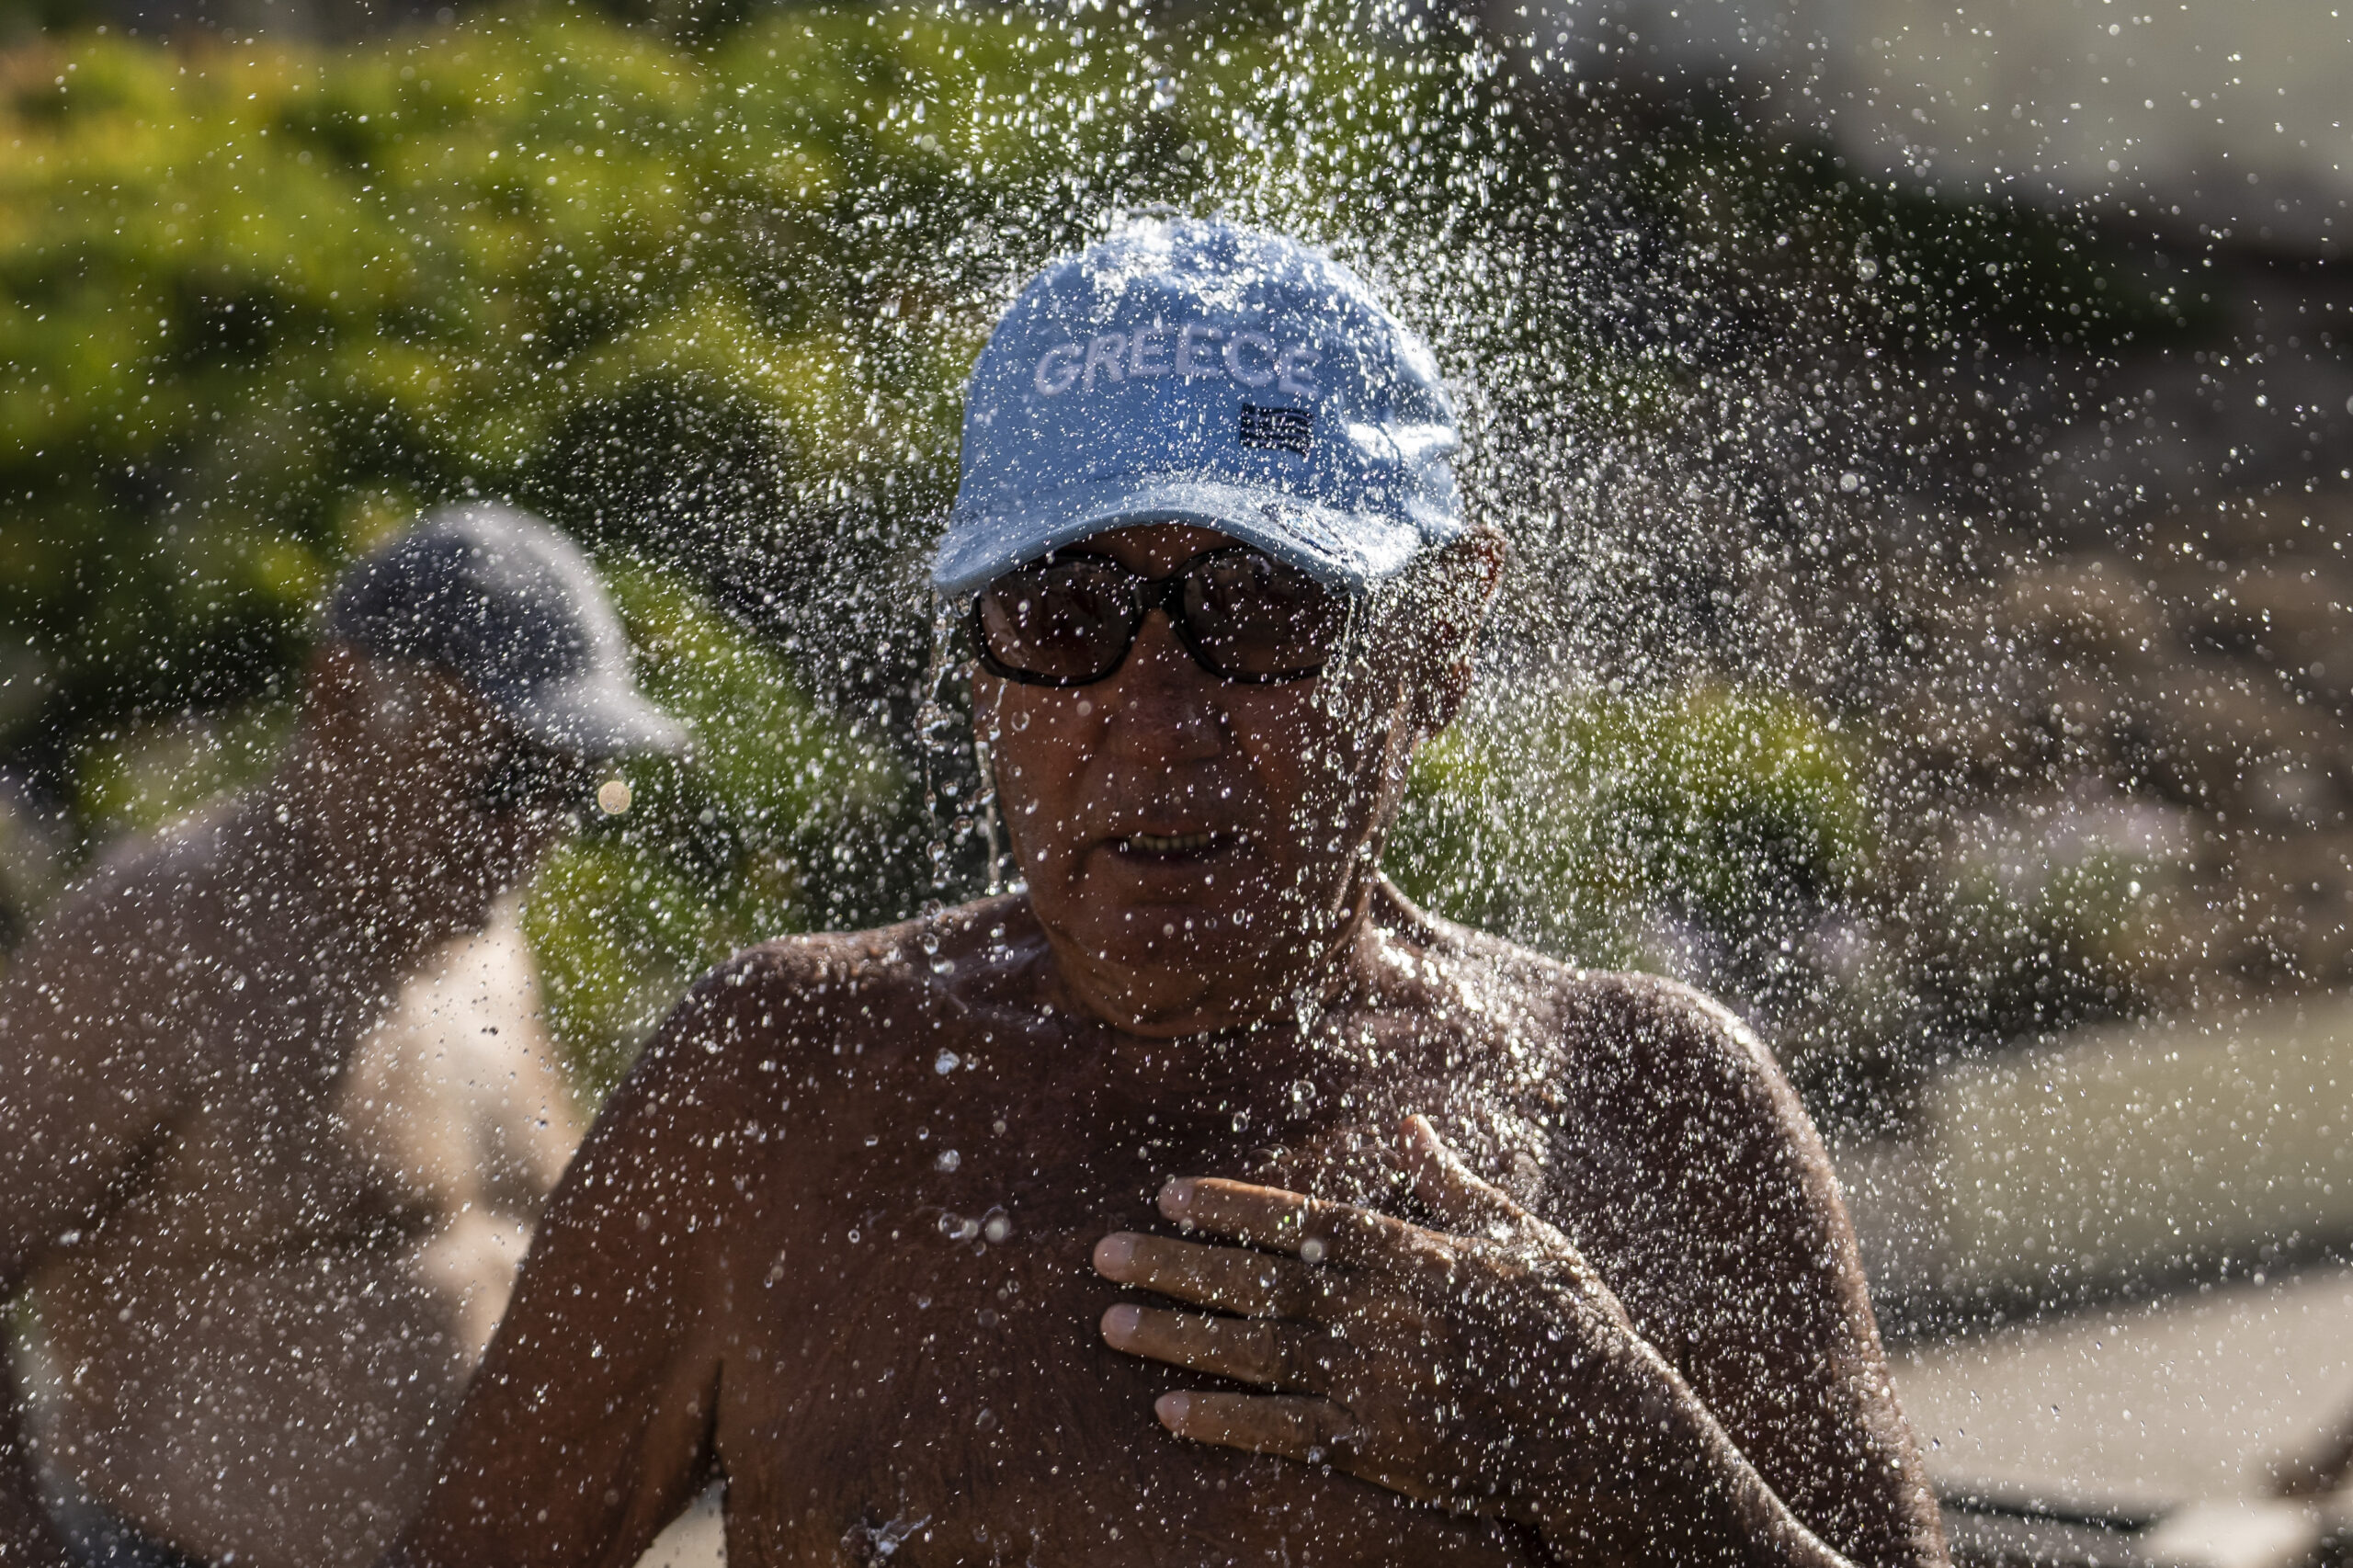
x: 1206, y: 1203
x: 266, y: 1258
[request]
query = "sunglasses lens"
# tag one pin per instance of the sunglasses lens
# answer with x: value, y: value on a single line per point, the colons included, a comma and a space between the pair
x: 1254, y: 618
x: 1065, y: 624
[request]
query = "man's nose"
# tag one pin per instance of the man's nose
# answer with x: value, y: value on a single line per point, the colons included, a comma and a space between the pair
x: 1163, y: 709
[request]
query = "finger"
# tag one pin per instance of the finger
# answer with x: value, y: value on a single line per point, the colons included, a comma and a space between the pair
x: 1464, y: 1204
x: 1311, y: 1431
x: 1307, y: 1228
x: 1272, y: 1355
x: 1308, y: 1430
x: 1229, y: 1279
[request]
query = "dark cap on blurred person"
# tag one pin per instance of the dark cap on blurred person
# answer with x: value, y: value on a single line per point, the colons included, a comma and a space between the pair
x: 510, y: 607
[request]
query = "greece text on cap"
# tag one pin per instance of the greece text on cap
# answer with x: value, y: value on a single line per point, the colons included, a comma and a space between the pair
x: 1192, y: 351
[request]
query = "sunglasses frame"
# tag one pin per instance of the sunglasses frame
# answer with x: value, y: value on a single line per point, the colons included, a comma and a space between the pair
x: 1161, y: 594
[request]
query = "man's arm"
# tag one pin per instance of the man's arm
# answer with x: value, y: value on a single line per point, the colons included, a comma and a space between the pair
x: 1772, y: 1322
x: 83, y: 1092
x: 588, y: 1427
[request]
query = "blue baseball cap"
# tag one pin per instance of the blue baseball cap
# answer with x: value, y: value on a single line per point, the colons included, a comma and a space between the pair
x: 500, y: 600
x: 1192, y: 370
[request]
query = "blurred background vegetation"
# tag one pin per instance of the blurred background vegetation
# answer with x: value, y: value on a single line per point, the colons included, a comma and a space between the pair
x: 1726, y: 835
x: 702, y: 288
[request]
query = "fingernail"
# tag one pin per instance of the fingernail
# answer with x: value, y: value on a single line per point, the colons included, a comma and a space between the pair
x: 1115, y: 1255
x: 1176, y: 1198
x: 1172, y: 1409
x: 1121, y: 1322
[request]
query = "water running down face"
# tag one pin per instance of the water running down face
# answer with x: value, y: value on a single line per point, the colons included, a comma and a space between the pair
x: 1198, y: 850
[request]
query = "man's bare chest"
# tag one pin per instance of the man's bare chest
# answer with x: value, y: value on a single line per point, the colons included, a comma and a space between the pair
x: 340, y: 1120
x: 933, y: 1389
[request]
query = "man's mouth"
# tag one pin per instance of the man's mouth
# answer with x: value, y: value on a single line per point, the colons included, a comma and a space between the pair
x: 1172, y: 842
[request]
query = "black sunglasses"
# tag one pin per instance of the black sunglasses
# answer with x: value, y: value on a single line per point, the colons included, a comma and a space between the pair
x: 1073, y: 619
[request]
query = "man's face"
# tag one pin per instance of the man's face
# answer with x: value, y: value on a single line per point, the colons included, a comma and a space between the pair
x: 451, y: 805
x: 1192, y: 846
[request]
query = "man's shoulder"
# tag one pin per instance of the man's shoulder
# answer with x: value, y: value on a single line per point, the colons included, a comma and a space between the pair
x: 1651, y: 1090
x: 839, y: 1035
x: 876, y: 995
x: 805, y: 966
x: 147, y: 907
x: 1665, y: 1058
x: 914, y: 962
x: 157, y: 871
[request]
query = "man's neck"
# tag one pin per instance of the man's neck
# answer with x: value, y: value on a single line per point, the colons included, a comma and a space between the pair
x: 1185, y: 1003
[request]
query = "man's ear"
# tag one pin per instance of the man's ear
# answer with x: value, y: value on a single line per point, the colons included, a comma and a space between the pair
x: 1466, y: 575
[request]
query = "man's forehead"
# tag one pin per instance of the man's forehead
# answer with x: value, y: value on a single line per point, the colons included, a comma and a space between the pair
x: 1152, y: 547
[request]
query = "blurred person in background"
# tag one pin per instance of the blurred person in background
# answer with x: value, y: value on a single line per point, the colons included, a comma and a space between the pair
x: 264, y: 1228
x: 1119, y: 1219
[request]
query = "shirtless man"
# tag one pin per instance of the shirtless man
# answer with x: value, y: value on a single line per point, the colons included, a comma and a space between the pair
x: 1204, y: 1202
x: 264, y: 1242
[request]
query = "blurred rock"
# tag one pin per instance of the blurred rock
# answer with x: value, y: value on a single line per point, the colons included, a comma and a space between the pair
x: 2296, y: 893
x: 2205, y: 676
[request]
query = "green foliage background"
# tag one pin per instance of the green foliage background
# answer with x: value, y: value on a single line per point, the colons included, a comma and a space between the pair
x: 709, y: 305
x: 1725, y: 834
